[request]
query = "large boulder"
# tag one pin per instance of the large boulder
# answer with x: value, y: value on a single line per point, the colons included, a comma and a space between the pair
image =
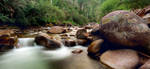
x: 56, y: 30
x: 45, y: 40
x: 94, y: 48
x: 146, y: 65
x: 120, y: 59
x: 6, y: 40
x: 117, y: 16
x: 125, y: 29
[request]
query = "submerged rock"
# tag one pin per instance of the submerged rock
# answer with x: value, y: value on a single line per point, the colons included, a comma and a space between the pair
x: 45, y: 40
x: 120, y: 59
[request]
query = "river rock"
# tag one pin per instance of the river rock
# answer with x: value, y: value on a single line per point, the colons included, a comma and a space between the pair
x: 69, y: 42
x: 82, y: 34
x: 88, y: 27
x: 94, y: 48
x: 146, y: 65
x: 82, y: 42
x: 6, y: 32
x: 6, y: 40
x: 77, y: 51
x: 91, y: 26
x: 7, y: 43
x: 120, y: 59
x: 45, y: 40
x: 56, y: 30
x: 125, y: 29
x: 95, y: 34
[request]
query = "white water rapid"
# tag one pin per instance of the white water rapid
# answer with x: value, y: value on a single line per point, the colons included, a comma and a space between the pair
x: 31, y: 56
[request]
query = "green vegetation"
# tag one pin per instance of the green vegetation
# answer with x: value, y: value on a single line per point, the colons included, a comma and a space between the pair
x: 29, y: 12
x: 112, y: 5
x: 24, y: 13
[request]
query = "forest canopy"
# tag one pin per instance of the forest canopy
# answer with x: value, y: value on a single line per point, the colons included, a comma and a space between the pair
x: 25, y: 13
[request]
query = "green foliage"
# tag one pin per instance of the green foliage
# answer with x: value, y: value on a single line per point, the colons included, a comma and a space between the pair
x: 111, y: 5
x: 79, y: 19
x: 25, y: 13
x: 4, y: 18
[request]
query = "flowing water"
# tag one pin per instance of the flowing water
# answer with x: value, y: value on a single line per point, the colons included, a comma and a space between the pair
x: 31, y: 56
x: 22, y: 42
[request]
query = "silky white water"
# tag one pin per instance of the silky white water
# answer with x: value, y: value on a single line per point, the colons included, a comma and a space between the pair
x: 30, y: 56
x: 25, y: 42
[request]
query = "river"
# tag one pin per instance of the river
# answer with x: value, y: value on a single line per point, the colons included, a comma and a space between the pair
x: 32, y: 56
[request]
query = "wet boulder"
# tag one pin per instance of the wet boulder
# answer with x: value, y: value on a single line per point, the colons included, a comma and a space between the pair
x: 45, y: 40
x: 6, y: 40
x: 125, y: 29
x: 69, y: 42
x: 94, y: 48
x: 56, y: 30
x: 120, y: 59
